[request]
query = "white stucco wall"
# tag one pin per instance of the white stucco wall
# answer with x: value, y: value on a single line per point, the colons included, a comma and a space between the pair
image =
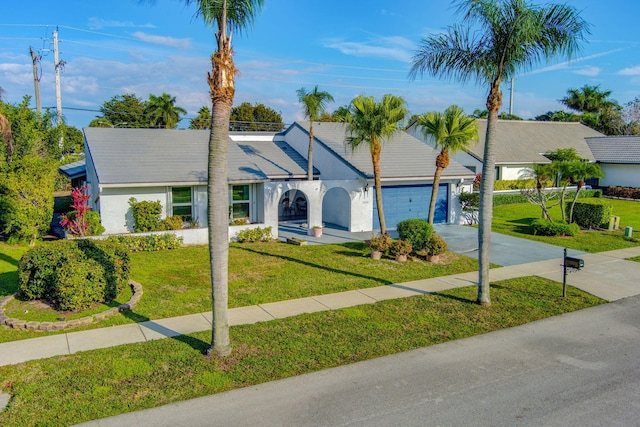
x: 509, y: 172
x: 115, y: 212
x: 620, y: 175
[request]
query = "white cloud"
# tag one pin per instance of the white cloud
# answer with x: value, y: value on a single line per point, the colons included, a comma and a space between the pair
x: 163, y: 40
x: 588, y: 71
x: 99, y: 24
x: 394, y: 48
x: 630, y: 71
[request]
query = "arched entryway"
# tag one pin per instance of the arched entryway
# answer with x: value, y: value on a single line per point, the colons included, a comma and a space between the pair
x: 293, y: 206
x: 336, y: 207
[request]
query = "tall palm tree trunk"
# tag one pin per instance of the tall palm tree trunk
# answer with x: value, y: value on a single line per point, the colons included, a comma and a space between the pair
x: 375, y: 157
x: 221, y: 84
x: 434, y: 193
x: 5, y: 132
x: 494, y: 102
x: 310, y: 153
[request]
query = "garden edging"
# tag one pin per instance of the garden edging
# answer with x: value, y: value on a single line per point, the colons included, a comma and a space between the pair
x: 57, y: 326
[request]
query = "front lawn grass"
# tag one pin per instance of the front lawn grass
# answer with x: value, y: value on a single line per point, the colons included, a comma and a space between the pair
x: 177, y: 283
x: 71, y: 389
x: 514, y: 220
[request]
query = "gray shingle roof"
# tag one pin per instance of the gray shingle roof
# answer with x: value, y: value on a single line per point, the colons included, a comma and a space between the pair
x: 402, y: 157
x: 525, y: 141
x: 616, y: 149
x: 520, y: 141
x: 161, y: 156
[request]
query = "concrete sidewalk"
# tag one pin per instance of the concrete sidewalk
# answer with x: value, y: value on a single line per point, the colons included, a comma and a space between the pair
x: 607, y: 275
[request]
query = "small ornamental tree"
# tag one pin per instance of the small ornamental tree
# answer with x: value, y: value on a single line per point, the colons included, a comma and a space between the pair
x: 76, y: 222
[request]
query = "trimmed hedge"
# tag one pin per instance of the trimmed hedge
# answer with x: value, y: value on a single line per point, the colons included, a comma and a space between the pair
x: 74, y: 274
x: 416, y: 231
x: 543, y: 227
x: 149, y: 243
x: 592, y: 214
x: 472, y: 200
x: 622, y: 192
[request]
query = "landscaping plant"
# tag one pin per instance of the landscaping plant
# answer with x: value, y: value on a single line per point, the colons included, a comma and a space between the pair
x: 417, y: 231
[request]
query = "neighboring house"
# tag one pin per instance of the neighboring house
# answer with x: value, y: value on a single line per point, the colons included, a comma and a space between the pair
x: 522, y: 143
x: 619, y: 158
x: 267, y: 178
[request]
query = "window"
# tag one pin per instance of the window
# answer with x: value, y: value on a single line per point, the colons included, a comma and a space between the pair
x: 240, y: 202
x: 181, y: 202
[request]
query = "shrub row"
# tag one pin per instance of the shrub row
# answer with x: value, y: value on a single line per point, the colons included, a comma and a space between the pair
x: 472, y: 200
x: 254, y: 235
x: 149, y: 243
x: 594, y: 214
x: 543, y: 227
x: 74, y: 274
x: 622, y: 192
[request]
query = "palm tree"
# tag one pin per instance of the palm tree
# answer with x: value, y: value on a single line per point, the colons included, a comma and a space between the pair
x: 315, y: 103
x: 501, y: 38
x: 452, y: 131
x: 162, y: 111
x: 202, y: 120
x: 588, y: 99
x: 226, y: 16
x: 581, y: 171
x: 371, y: 123
x: 5, y: 128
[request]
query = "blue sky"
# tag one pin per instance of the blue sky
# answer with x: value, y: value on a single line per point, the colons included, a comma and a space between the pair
x: 348, y: 48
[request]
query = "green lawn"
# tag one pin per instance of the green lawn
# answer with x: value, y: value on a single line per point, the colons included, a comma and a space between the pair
x: 515, y: 219
x: 177, y: 282
x: 61, y: 391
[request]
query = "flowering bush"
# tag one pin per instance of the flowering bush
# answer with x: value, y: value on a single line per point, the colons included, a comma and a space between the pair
x: 77, y: 222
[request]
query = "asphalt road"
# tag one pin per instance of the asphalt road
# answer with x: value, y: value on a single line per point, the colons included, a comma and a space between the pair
x: 579, y: 369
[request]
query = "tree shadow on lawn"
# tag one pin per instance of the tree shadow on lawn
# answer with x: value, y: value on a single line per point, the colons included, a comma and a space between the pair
x: 9, y: 260
x: 522, y: 225
x: 312, y: 265
x: 8, y: 283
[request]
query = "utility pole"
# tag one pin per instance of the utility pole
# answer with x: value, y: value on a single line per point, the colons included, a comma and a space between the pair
x: 35, y: 59
x: 511, y: 96
x: 58, y: 65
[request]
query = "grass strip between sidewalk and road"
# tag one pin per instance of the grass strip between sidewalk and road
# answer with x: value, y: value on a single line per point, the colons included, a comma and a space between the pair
x: 71, y: 389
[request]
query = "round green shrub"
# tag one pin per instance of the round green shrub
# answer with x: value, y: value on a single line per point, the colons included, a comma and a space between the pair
x: 59, y: 270
x: 80, y: 285
x: 416, y: 231
x: 37, y: 268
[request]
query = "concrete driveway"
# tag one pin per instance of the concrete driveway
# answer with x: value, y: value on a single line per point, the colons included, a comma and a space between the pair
x: 505, y: 250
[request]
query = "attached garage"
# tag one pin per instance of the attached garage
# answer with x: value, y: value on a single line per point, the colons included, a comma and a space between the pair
x: 410, y: 201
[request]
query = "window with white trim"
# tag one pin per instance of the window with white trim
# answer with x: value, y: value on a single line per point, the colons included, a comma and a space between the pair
x: 182, y: 202
x: 240, y: 202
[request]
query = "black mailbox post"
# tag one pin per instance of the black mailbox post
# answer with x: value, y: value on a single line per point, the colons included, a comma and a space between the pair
x: 573, y: 263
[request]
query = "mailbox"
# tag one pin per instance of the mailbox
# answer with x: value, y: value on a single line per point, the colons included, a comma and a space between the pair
x: 571, y: 262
